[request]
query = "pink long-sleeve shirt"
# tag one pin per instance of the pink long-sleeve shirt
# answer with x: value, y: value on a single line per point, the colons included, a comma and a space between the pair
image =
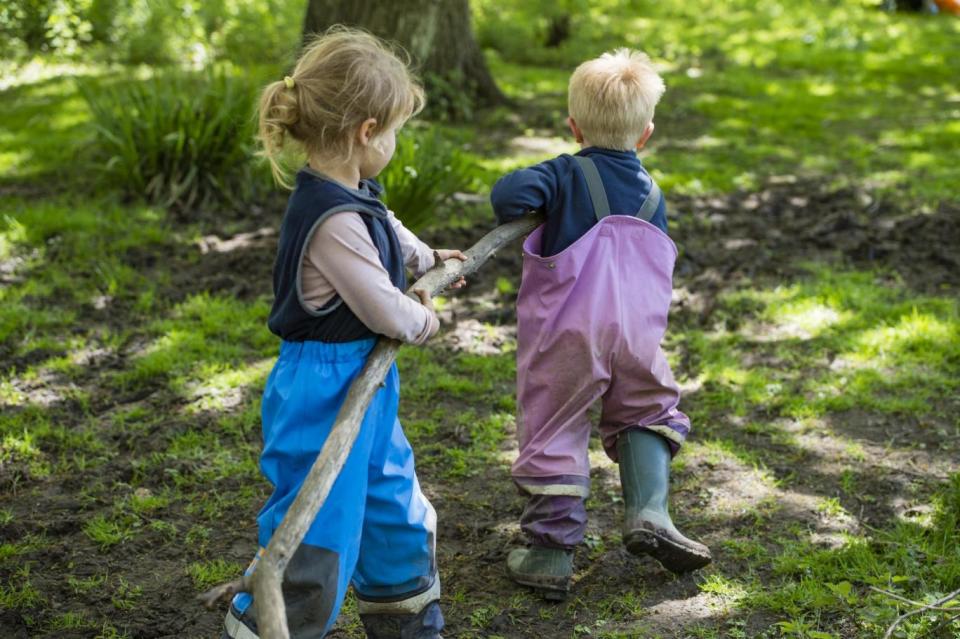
x: 341, y: 259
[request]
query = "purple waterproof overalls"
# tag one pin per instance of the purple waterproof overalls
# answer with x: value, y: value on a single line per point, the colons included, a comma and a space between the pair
x: 589, y: 324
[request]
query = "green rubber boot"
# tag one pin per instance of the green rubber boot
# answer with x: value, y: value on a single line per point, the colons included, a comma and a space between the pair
x: 647, y: 529
x: 547, y: 570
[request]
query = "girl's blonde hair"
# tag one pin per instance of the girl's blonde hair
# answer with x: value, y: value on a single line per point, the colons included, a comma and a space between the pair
x: 612, y: 98
x: 343, y: 77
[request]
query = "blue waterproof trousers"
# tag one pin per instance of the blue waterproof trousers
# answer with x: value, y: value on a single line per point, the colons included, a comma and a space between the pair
x: 376, y: 529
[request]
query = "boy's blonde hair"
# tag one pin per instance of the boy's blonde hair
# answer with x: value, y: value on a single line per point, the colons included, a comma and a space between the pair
x: 612, y: 98
x: 343, y: 77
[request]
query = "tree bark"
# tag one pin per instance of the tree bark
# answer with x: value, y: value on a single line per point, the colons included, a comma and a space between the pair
x: 436, y: 33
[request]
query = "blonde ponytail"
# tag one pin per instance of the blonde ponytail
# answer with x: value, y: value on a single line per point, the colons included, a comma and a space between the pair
x: 343, y: 78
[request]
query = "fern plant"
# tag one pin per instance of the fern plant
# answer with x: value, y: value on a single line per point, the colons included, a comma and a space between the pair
x: 423, y: 176
x: 177, y: 139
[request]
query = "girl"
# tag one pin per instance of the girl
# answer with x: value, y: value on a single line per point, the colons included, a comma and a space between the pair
x: 339, y: 281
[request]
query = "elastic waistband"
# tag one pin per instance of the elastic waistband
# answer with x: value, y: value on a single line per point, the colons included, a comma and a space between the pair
x: 328, y: 352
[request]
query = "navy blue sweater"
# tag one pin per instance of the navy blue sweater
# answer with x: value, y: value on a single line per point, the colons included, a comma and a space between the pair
x: 558, y: 189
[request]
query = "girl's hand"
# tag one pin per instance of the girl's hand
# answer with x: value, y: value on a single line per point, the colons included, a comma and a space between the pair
x: 425, y: 298
x: 442, y: 255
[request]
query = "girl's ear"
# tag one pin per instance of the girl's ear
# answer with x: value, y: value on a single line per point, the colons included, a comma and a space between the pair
x: 367, y: 131
x: 577, y: 134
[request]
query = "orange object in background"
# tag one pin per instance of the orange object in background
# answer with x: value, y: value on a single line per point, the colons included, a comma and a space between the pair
x: 950, y: 6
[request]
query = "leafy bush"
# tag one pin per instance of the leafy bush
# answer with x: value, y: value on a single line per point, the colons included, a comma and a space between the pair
x: 423, y: 175
x: 177, y: 139
x: 151, y: 31
x: 43, y: 25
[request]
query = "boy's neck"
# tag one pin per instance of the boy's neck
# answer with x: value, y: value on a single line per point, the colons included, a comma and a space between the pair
x: 587, y: 145
x: 345, y: 173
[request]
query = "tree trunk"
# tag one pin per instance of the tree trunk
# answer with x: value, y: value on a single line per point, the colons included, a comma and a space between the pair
x: 436, y: 33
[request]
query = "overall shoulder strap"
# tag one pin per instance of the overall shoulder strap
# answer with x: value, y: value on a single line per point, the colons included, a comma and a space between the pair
x: 598, y: 196
x: 651, y: 203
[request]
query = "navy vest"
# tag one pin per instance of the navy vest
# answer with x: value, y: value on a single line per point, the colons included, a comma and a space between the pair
x: 313, y: 200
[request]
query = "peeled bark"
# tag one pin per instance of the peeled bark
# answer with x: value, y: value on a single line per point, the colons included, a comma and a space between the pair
x: 436, y: 33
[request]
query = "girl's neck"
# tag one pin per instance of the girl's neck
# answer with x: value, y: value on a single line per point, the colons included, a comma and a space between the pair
x: 346, y: 173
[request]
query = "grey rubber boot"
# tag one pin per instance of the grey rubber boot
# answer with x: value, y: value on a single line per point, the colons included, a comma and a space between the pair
x: 647, y: 529
x: 548, y: 570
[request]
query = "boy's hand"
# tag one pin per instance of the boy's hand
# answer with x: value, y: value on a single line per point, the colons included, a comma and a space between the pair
x: 425, y: 298
x: 442, y: 255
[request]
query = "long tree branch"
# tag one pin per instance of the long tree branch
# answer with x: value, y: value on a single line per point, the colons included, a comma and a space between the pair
x: 266, y: 580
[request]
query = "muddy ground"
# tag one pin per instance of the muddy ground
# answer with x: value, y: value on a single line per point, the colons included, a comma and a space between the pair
x: 757, y: 239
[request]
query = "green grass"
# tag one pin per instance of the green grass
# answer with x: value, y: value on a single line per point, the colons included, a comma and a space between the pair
x: 106, y: 533
x: 836, y: 91
x: 862, y: 344
x: 438, y: 397
x: 207, y: 574
x: 815, y: 587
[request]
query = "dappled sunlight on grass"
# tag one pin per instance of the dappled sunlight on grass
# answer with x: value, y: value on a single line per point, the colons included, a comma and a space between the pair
x: 846, y: 341
x: 41, y: 129
x: 219, y: 387
x: 807, y: 89
x: 201, y: 332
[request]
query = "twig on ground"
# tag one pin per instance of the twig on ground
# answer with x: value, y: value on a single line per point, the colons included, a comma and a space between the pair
x: 911, y: 601
x: 942, y: 624
x: 265, y: 582
x: 935, y: 606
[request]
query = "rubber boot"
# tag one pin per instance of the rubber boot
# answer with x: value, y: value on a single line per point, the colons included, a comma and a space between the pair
x: 547, y: 570
x: 647, y: 529
x: 426, y: 624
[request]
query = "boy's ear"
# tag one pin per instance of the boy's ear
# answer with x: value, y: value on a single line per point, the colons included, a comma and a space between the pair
x: 577, y: 133
x: 647, y: 132
x: 367, y: 131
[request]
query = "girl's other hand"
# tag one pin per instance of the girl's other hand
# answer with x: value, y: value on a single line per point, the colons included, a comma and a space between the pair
x: 425, y: 298
x: 442, y: 255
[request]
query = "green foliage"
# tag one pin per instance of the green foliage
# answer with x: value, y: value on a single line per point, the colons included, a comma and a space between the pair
x: 519, y: 30
x: 152, y: 31
x: 423, y: 176
x: 175, y: 139
x: 45, y: 25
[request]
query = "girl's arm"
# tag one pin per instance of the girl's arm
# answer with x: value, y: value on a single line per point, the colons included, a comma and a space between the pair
x: 342, y: 252
x: 419, y: 257
x: 416, y: 255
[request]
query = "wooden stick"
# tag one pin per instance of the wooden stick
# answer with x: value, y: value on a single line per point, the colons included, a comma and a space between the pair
x: 268, y: 577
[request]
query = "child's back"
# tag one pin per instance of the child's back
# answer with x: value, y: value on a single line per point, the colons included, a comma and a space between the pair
x: 558, y: 189
x: 591, y: 312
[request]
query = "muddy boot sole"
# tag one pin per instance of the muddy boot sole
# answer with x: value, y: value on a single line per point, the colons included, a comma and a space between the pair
x: 550, y: 592
x: 676, y: 557
x: 552, y: 587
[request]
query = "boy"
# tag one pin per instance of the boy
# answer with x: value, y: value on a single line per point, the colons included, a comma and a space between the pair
x: 591, y: 312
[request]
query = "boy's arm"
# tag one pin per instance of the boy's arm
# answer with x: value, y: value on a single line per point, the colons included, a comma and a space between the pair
x: 525, y: 190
